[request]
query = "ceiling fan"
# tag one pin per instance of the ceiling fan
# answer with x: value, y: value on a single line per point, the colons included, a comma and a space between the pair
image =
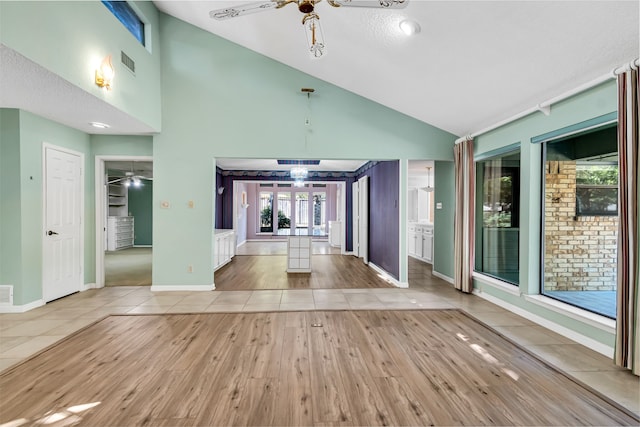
x: 310, y: 20
x: 130, y: 178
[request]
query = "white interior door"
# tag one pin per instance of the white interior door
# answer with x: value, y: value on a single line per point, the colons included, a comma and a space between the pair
x: 363, y: 235
x: 355, y: 208
x: 61, y: 263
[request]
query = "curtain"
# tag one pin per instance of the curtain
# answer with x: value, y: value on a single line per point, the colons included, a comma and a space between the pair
x: 627, y: 350
x: 464, y: 221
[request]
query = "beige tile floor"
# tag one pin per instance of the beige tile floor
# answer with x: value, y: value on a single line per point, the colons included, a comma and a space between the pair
x: 24, y: 334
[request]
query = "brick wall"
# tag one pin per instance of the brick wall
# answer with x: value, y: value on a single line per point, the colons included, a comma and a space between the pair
x: 580, y: 252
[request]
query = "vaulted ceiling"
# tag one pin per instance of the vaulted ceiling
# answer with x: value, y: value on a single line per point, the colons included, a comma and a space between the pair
x: 473, y: 64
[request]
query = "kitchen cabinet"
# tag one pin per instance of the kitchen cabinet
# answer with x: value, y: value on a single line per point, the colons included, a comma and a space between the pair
x: 224, y: 248
x: 420, y: 241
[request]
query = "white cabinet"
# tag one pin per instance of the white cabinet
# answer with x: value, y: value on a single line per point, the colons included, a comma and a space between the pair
x: 299, y: 254
x: 420, y: 241
x: 119, y: 232
x: 225, y: 247
x: 335, y: 233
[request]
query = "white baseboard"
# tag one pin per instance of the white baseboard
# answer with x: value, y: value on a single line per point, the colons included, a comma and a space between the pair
x: 177, y: 288
x: 387, y: 277
x: 21, y: 308
x: 88, y: 286
x: 559, y: 329
x: 443, y: 277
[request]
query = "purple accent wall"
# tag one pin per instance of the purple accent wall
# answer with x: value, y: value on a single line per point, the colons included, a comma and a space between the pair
x: 384, y: 214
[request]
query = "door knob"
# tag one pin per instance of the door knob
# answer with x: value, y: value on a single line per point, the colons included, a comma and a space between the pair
x: 51, y: 233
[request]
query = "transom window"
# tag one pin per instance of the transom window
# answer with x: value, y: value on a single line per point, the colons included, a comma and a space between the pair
x: 128, y: 17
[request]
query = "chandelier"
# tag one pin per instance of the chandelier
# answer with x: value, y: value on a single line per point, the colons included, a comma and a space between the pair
x: 310, y: 20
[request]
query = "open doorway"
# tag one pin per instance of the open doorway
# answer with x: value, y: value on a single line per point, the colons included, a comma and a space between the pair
x: 420, y: 215
x: 124, y: 218
x: 261, y: 203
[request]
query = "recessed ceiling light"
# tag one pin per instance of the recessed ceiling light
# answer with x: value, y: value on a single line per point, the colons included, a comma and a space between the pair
x: 99, y: 125
x: 409, y: 27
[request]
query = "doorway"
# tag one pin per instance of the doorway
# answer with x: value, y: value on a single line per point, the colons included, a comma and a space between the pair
x: 124, y: 218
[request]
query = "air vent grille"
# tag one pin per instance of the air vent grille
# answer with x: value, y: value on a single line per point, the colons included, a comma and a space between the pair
x: 6, y: 294
x: 128, y: 62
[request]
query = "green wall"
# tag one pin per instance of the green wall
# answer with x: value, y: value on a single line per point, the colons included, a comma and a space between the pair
x: 141, y: 208
x: 444, y: 183
x: 25, y: 173
x: 73, y: 37
x: 588, y: 105
x: 10, y: 209
x: 221, y: 100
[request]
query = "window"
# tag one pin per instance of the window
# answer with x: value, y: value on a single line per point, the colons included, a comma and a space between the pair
x: 302, y: 214
x: 596, y: 189
x: 284, y: 213
x: 320, y: 214
x: 128, y: 17
x: 580, y: 222
x: 265, y: 205
x: 498, y: 216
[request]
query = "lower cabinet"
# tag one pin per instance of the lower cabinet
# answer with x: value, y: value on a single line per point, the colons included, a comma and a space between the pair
x: 299, y: 254
x: 420, y: 242
x: 225, y: 247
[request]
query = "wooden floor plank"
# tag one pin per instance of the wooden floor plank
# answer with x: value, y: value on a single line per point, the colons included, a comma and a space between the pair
x: 250, y: 272
x: 429, y: 367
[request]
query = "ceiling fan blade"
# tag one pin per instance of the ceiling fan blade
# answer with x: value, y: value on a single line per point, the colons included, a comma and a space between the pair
x: 245, y: 9
x: 114, y: 181
x: 384, y: 4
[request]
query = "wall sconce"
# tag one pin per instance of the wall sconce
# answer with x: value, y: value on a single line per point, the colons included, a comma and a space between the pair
x: 105, y: 73
x: 220, y: 190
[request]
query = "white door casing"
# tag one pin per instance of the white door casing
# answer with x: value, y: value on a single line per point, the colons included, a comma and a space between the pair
x: 62, y: 260
x: 363, y: 211
x: 355, y: 213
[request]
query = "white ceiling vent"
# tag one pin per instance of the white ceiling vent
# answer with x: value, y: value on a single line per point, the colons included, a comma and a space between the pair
x: 128, y: 62
x: 6, y: 294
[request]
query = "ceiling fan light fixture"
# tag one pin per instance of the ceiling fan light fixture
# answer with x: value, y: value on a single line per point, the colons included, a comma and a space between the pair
x: 306, y: 6
x: 409, y: 27
x: 313, y: 31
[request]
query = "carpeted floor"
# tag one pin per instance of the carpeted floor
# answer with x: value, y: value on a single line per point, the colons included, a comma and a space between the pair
x: 128, y: 267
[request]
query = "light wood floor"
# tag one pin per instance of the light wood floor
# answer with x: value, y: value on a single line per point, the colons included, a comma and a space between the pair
x: 270, y: 272
x: 294, y: 369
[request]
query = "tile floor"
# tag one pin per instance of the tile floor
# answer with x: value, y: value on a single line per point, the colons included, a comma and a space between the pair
x: 24, y: 334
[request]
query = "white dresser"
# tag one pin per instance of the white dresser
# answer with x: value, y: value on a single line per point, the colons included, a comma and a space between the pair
x: 420, y: 241
x: 299, y: 254
x: 119, y: 232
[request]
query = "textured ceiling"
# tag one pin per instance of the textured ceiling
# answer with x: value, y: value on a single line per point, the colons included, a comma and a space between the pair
x: 473, y: 64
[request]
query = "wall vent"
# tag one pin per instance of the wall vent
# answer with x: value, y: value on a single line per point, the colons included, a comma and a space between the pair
x: 6, y: 294
x: 128, y: 62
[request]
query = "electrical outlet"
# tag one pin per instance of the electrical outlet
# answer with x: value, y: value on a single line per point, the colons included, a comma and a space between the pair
x: 190, y: 268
